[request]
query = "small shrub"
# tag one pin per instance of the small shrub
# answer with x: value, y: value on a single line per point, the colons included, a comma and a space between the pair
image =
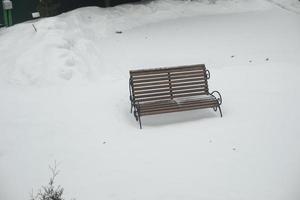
x: 50, y: 191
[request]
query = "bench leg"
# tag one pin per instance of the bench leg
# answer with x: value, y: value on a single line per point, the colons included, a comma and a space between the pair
x: 220, y: 110
x: 131, y: 108
x: 139, y: 117
x: 140, y: 122
x: 135, y: 115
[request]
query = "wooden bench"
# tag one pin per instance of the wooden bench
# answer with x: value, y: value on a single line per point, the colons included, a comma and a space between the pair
x: 171, y: 89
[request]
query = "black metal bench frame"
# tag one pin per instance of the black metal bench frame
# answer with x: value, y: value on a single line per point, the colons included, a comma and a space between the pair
x: 156, y: 91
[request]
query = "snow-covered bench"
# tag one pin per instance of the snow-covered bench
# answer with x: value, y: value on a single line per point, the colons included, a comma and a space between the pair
x: 171, y: 89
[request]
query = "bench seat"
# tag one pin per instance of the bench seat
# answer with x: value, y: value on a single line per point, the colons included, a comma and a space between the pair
x: 176, y: 105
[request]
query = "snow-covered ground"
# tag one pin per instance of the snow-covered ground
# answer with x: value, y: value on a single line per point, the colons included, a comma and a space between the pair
x: 291, y: 5
x: 64, y: 97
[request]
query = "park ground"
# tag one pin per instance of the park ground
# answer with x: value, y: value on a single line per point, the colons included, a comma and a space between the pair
x: 64, y: 98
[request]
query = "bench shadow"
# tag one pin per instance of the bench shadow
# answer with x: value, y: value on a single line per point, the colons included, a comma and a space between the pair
x: 169, y: 118
x: 178, y: 117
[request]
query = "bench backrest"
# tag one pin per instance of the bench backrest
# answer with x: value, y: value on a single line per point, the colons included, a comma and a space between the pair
x: 168, y: 83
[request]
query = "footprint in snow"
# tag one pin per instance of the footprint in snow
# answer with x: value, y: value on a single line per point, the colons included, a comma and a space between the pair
x: 70, y: 62
x: 66, y: 74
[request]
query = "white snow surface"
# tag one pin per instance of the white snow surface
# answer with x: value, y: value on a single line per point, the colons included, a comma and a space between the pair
x: 64, y: 97
x: 75, y: 42
x: 291, y: 5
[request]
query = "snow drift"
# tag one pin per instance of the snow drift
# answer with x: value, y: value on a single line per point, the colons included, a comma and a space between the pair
x: 70, y: 46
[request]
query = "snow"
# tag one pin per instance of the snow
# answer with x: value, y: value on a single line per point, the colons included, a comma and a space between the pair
x: 291, y: 5
x: 64, y: 97
x: 74, y: 41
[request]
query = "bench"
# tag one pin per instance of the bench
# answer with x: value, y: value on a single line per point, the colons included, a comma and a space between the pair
x: 171, y: 89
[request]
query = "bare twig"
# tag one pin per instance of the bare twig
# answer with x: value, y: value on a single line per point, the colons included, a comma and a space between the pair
x: 50, y: 191
x: 34, y: 27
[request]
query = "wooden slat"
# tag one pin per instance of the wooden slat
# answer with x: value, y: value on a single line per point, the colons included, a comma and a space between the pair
x: 175, y: 110
x: 167, y: 82
x: 166, y: 69
x: 166, y: 93
x: 189, y: 80
x: 164, y: 74
x: 201, y: 88
x: 164, y: 86
x: 173, y: 105
x: 168, y: 97
x: 157, y: 104
x: 167, y: 89
x: 200, y: 83
x: 201, y: 76
x: 159, y: 75
x: 180, y: 100
x: 201, y: 71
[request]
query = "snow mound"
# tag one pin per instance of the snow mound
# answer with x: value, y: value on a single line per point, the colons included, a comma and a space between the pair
x: 69, y: 47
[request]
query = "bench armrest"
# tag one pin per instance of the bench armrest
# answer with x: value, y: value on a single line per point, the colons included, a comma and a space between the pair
x: 130, y: 90
x: 207, y: 74
x: 219, y: 97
